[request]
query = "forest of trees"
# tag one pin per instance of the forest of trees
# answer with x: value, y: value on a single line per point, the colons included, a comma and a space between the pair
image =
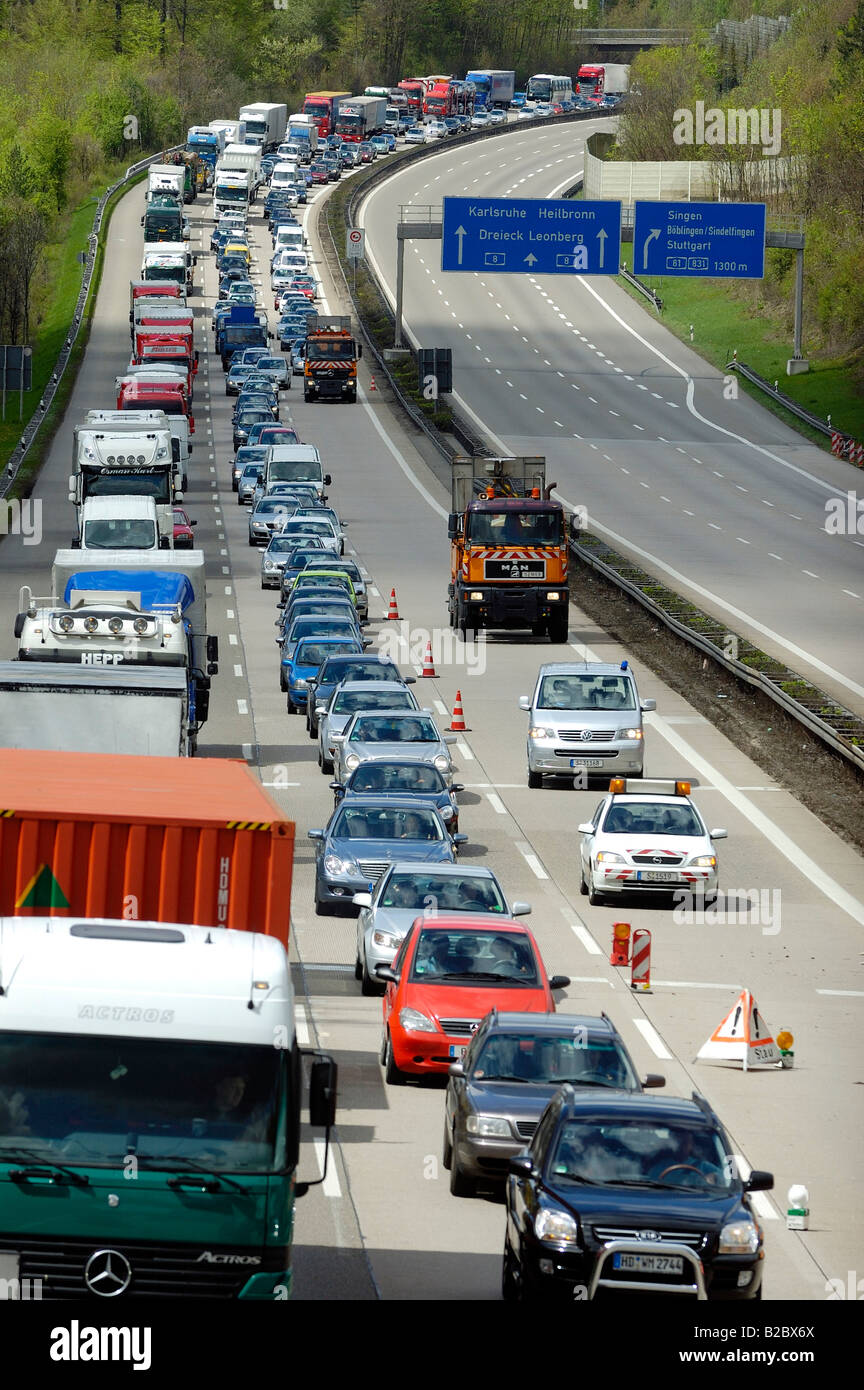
x: 72, y: 71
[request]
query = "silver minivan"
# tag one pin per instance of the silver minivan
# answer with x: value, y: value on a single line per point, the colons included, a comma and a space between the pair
x: 585, y: 719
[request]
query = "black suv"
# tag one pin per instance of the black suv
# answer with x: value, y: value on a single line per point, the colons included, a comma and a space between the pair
x: 630, y: 1193
x: 514, y: 1066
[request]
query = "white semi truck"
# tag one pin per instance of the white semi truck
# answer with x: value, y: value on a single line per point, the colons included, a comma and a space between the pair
x: 265, y: 123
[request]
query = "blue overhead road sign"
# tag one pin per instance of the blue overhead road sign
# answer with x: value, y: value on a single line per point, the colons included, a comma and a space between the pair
x: 531, y: 236
x: 723, y: 240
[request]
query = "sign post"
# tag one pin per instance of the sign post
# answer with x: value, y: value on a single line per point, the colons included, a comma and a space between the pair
x: 355, y: 247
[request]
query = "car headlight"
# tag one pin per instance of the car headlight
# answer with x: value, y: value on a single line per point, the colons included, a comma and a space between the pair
x: 556, y: 1226
x: 270, y: 565
x: 387, y: 940
x: 608, y: 856
x: 415, y: 1022
x: 630, y: 733
x: 442, y: 762
x: 334, y: 865
x: 300, y: 683
x: 488, y: 1126
x: 352, y: 761
x: 704, y: 861
x: 740, y: 1238
x: 448, y: 812
x: 541, y: 731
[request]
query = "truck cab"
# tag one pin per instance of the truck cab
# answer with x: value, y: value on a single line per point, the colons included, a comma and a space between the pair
x: 120, y: 523
x: 330, y: 362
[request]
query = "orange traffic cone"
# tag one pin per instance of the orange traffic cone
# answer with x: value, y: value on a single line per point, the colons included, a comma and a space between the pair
x: 372, y: 386
x: 393, y: 611
x: 457, y: 723
x: 428, y: 663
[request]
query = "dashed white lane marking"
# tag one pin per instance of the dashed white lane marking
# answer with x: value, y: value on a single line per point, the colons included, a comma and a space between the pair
x: 843, y: 993
x: 441, y: 708
x: 232, y: 639
x: 464, y: 750
x: 238, y: 672
x: 586, y: 938
x: 653, y: 1039
x: 242, y: 707
x: 531, y: 859
x: 301, y: 1025
x: 330, y: 1185
x: 246, y: 749
x: 496, y: 803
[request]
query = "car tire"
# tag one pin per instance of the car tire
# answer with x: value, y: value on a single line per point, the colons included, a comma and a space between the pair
x: 595, y: 899
x: 392, y: 1075
x: 369, y: 986
x: 358, y: 969
x: 446, y: 1149
x: 583, y: 886
x: 535, y: 780
x: 326, y: 766
x: 321, y: 909
x: 460, y: 1183
x: 511, y: 1282
x: 252, y: 542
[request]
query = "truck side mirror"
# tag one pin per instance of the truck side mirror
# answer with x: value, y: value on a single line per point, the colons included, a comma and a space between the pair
x: 212, y: 652
x: 359, y: 349
x: 452, y: 525
x: 322, y: 1092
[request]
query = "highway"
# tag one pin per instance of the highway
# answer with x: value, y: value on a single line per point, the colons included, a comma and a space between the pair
x: 715, y: 496
x: 384, y: 1225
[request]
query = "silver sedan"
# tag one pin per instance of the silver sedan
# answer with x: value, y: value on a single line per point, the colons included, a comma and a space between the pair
x: 407, y: 891
x: 393, y: 734
x: 350, y: 698
x: 276, y: 368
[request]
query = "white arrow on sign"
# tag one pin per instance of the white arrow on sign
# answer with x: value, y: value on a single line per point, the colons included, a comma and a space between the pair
x: 652, y: 236
x: 601, y: 237
x: 531, y: 258
x: 460, y: 232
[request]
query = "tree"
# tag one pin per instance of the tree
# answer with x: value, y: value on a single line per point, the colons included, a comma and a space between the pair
x: 17, y: 179
x: 49, y: 140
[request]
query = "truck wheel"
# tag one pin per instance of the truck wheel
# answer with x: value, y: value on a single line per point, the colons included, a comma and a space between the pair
x: 185, y: 483
x: 559, y: 626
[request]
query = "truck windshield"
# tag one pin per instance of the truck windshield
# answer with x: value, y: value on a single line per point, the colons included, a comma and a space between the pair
x: 119, y: 535
x: 515, y: 528
x: 124, y: 482
x: 342, y: 350
x: 291, y: 471
x: 176, y: 273
x: 92, y: 1101
x: 231, y: 193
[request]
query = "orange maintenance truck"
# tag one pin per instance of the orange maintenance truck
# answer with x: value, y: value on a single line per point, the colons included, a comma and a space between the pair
x: 330, y: 363
x: 508, y: 552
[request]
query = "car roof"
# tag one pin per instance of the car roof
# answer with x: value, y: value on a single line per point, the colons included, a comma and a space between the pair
x: 554, y: 1023
x: 638, y: 1105
x: 581, y: 668
x: 369, y: 801
x: 410, y: 866
x: 368, y: 687
x: 467, y: 921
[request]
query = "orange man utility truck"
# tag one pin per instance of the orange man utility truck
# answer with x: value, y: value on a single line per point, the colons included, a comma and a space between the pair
x: 508, y: 565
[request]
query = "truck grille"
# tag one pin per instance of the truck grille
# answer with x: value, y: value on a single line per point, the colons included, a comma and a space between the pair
x: 166, y: 1271
x: 579, y: 735
x: 459, y: 1027
x: 695, y: 1239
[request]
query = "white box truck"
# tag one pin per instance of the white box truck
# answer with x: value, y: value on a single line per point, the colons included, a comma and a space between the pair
x: 265, y: 123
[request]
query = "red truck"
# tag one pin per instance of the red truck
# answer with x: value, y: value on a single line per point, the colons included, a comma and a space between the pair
x: 147, y: 838
x: 157, y: 344
x: 415, y: 92
x: 324, y: 107
x: 135, y: 394
x: 440, y: 99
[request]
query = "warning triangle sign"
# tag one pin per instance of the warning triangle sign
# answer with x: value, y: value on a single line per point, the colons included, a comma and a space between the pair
x: 743, y: 1036
x: 43, y: 890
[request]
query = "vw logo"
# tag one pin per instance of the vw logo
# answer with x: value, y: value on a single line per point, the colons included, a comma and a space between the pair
x: 585, y: 736
x: 648, y: 1235
x: 107, y: 1273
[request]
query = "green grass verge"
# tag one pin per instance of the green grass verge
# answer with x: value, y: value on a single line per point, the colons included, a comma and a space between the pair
x: 723, y: 322
x: 65, y: 281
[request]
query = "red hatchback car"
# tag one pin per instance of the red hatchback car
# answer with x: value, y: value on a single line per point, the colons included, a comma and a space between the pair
x: 184, y: 536
x: 448, y: 973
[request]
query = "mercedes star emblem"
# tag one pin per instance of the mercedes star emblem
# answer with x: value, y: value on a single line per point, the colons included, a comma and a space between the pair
x: 107, y: 1273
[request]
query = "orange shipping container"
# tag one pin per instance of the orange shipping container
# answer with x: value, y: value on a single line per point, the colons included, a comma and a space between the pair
x: 151, y: 839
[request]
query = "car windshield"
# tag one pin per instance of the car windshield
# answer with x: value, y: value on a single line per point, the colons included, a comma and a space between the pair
x: 641, y: 1153
x: 119, y: 535
x: 252, y: 417
x: 376, y: 729
x: 280, y: 545
x: 274, y: 504
x: 418, y: 892
x: 309, y: 554
x: 570, y: 1057
x: 323, y: 581
x: 350, y: 701
x: 312, y: 626
x: 466, y: 956
x: 83, y: 1100
x: 586, y: 692
x: 293, y: 471
x: 314, y: 528
x: 386, y: 823
x: 515, y: 528
x: 313, y: 653
x: 651, y: 818
x: 397, y: 777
